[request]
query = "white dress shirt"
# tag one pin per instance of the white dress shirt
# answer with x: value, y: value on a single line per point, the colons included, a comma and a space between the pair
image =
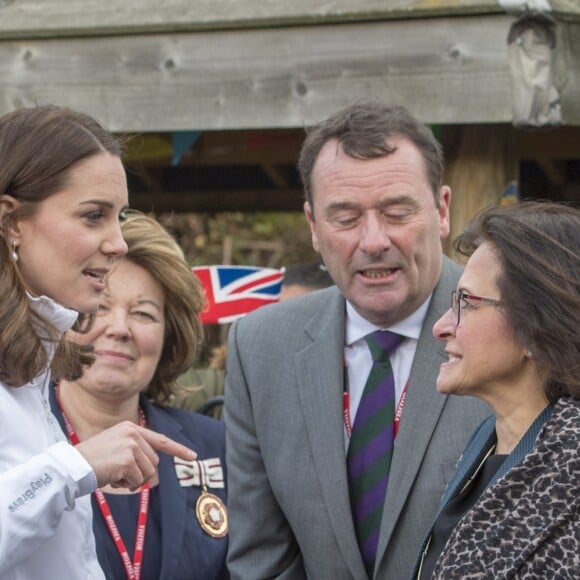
x: 358, y: 358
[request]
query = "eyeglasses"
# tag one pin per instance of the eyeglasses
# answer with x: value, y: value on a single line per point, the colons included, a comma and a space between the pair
x: 460, y: 301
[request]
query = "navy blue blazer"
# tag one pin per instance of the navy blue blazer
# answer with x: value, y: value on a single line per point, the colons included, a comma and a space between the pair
x: 187, y: 552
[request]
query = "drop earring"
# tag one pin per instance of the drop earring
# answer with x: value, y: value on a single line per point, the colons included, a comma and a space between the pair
x: 14, y: 253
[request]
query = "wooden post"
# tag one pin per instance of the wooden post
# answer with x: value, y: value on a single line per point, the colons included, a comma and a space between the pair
x: 480, y: 161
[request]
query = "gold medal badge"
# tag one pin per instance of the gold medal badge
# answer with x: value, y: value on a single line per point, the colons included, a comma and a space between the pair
x: 211, y: 514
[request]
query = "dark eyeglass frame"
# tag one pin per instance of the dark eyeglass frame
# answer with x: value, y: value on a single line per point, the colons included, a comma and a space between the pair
x: 457, y: 297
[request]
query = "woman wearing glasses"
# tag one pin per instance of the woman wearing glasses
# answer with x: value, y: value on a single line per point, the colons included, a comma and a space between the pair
x: 512, y: 336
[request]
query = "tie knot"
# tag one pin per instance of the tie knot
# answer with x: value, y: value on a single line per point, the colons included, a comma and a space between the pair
x: 383, y: 343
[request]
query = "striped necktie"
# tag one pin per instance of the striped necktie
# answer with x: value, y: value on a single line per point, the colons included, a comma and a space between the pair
x: 371, y: 445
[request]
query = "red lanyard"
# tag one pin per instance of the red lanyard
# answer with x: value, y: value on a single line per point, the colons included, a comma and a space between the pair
x: 346, y: 411
x: 132, y: 568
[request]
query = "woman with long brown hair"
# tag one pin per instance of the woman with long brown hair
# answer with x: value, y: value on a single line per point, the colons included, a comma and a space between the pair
x: 63, y: 192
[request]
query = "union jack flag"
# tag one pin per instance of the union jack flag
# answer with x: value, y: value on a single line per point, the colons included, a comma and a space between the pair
x: 232, y: 291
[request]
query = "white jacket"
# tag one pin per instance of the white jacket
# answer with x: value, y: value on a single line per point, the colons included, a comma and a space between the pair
x: 45, y: 483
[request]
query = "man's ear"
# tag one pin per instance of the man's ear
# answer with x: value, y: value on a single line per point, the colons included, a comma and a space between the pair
x: 444, y: 212
x: 308, y: 211
x: 310, y: 218
x: 8, y: 207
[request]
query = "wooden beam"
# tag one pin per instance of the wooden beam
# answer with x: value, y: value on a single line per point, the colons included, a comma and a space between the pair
x: 274, y: 146
x: 278, y: 175
x: 555, y: 171
x: 553, y: 143
x: 447, y: 70
x: 61, y: 18
x: 481, y: 161
x: 218, y: 201
x: 567, y: 71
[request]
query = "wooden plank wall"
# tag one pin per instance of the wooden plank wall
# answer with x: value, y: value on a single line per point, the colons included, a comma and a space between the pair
x: 150, y: 65
x: 283, y: 77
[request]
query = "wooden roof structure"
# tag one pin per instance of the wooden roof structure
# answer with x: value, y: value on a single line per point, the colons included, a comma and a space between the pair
x: 150, y: 65
x: 249, y: 74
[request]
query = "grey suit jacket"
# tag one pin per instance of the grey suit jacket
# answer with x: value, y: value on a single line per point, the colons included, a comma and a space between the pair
x: 290, y: 515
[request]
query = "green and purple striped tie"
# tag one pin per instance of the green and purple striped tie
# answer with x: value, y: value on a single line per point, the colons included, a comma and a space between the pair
x: 371, y: 445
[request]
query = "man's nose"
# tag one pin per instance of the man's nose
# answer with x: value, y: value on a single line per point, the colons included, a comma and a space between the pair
x: 375, y: 237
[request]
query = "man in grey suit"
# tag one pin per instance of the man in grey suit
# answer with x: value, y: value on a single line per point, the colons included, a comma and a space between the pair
x: 378, y: 212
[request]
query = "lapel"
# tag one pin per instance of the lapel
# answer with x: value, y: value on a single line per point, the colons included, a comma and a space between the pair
x: 320, y: 379
x: 173, y: 499
x: 525, y: 445
x: 474, y: 453
x: 480, y: 444
x: 421, y: 413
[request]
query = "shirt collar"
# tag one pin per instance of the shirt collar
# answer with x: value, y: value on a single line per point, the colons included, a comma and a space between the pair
x: 358, y: 327
x: 61, y: 317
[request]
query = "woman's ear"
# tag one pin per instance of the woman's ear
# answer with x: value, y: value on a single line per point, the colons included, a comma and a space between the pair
x: 8, y: 207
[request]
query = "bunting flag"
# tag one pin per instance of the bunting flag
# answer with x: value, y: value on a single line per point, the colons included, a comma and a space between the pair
x: 511, y: 194
x: 182, y: 141
x: 233, y: 291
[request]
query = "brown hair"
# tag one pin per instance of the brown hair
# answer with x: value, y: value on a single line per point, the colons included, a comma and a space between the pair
x: 155, y: 250
x: 364, y: 131
x: 538, y: 246
x: 38, y: 148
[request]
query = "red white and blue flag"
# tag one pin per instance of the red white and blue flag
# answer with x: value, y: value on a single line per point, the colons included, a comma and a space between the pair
x: 232, y: 291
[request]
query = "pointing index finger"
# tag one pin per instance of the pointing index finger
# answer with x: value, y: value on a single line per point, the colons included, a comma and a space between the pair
x: 161, y: 442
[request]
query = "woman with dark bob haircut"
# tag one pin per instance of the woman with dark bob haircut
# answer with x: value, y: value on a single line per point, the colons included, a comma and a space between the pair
x: 512, y: 509
x: 146, y: 333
